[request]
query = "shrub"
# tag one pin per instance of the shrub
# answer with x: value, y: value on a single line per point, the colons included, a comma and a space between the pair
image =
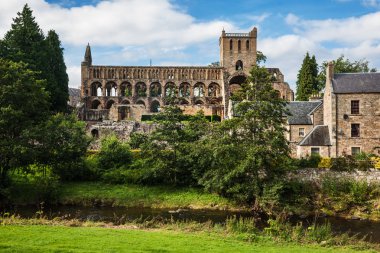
x: 308, y: 162
x: 343, y: 163
x: 325, y: 163
x: 113, y: 154
x: 376, y: 162
x: 137, y: 139
x: 33, y: 185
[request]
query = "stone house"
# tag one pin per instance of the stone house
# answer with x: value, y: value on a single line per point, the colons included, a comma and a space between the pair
x: 345, y: 122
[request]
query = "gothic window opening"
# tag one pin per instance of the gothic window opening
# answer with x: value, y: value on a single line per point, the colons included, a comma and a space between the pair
x: 247, y: 45
x: 170, y: 90
x: 155, y: 90
x: 95, y: 105
x: 109, y: 104
x: 199, y: 90
x: 141, y: 89
x: 239, y: 45
x: 239, y: 65
x: 140, y: 102
x: 155, y: 106
x: 213, y: 90
x: 231, y: 45
x: 95, y: 133
x: 184, y: 90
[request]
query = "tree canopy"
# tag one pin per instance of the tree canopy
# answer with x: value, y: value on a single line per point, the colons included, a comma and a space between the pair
x: 26, y: 42
x: 344, y: 65
x: 307, y: 78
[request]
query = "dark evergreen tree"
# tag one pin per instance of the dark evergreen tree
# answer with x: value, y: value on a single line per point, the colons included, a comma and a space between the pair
x: 307, y: 78
x: 25, y: 42
x: 58, y: 85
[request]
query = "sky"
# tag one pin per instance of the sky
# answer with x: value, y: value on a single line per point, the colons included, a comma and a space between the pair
x: 186, y: 32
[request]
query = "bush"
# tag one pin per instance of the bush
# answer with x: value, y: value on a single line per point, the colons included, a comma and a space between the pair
x: 113, y: 154
x: 33, y: 185
x: 325, y: 163
x: 308, y: 162
x: 137, y: 139
x: 241, y: 225
x: 376, y: 162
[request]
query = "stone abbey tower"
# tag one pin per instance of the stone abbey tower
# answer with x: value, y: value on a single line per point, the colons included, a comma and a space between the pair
x: 128, y: 92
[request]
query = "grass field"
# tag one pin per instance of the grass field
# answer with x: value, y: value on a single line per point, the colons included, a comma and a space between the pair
x: 88, y: 194
x: 40, y: 238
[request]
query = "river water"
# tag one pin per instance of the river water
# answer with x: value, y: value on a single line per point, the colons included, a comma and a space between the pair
x: 120, y: 215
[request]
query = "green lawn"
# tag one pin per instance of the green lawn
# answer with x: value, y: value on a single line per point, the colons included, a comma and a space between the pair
x: 39, y: 238
x: 86, y: 193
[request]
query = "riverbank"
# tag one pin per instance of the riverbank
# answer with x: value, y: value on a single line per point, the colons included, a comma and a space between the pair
x: 39, y: 235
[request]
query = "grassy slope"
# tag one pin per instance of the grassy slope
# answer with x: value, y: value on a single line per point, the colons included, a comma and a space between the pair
x: 86, y: 193
x: 15, y: 238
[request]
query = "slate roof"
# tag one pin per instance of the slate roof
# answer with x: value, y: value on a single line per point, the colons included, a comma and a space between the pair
x: 319, y: 136
x: 300, y: 112
x: 74, y: 92
x: 356, y: 83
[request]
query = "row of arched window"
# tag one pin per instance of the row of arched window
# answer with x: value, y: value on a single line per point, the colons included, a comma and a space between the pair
x: 239, y: 45
x: 155, y: 105
x: 181, y: 74
x: 155, y: 90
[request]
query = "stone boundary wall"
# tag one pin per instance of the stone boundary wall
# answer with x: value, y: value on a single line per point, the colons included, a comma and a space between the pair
x: 316, y: 175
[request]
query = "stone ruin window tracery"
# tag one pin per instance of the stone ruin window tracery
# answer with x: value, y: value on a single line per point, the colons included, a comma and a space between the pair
x: 155, y: 106
x: 170, y: 90
x: 126, y: 89
x: 111, y: 89
x: 213, y: 90
x: 96, y: 89
x: 155, y: 90
x: 239, y: 65
x: 141, y: 89
x: 184, y: 90
x: 199, y: 90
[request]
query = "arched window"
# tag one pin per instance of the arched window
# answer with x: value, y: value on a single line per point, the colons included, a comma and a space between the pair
x: 155, y: 106
x: 109, y: 104
x: 126, y: 89
x: 95, y: 104
x: 141, y: 89
x: 96, y: 89
x: 213, y: 90
x: 155, y: 90
x: 247, y: 45
x: 140, y: 102
x: 170, y: 90
x: 184, y: 90
x: 199, y: 90
x: 199, y: 102
x: 95, y: 133
x: 239, y: 45
x: 239, y: 65
x: 111, y: 89
x: 231, y: 45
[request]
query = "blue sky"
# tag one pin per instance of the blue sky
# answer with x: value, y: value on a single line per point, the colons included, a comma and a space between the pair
x: 185, y: 32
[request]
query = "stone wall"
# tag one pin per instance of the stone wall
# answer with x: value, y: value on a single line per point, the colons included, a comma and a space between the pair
x: 316, y: 175
x: 294, y: 132
x: 368, y: 118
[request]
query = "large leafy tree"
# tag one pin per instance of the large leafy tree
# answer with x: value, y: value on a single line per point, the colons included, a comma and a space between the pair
x: 344, y: 65
x: 23, y: 104
x: 307, y: 78
x: 26, y: 42
x: 250, y: 150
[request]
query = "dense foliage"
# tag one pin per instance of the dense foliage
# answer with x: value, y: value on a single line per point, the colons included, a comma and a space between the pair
x: 307, y: 78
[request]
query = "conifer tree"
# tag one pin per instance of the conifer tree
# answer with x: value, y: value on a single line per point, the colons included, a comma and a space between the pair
x: 307, y: 78
x: 25, y: 42
x: 59, y: 80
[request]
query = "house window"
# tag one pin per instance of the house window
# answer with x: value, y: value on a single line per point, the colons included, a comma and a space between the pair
x: 301, y: 132
x: 354, y: 106
x: 355, y: 130
x: 314, y: 151
x: 355, y: 150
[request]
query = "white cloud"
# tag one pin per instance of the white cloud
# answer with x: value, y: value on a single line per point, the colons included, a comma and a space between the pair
x: 371, y: 3
x: 141, y: 28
